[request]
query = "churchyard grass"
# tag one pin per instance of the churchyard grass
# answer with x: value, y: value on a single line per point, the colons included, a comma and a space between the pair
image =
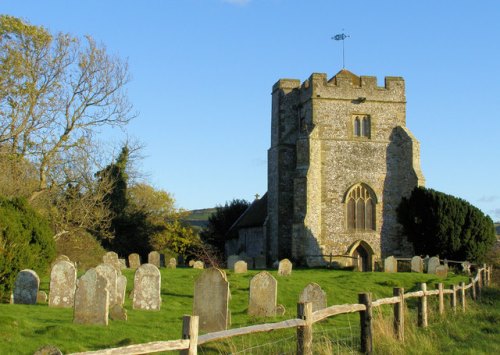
x: 23, y: 328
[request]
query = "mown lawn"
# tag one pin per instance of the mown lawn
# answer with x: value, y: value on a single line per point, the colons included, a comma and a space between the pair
x: 23, y: 329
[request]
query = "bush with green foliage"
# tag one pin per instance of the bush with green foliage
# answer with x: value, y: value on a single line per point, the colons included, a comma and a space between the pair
x: 26, y: 242
x: 444, y: 225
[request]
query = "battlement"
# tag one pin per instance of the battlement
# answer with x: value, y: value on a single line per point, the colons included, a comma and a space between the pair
x: 346, y: 85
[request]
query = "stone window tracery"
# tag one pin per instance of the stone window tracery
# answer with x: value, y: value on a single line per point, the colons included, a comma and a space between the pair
x: 360, y: 208
x: 362, y: 126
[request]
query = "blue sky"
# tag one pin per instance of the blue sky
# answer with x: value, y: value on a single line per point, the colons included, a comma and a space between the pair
x: 203, y: 70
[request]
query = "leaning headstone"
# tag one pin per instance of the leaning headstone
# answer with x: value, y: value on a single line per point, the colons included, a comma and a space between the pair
x: 231, y: 260
x: 198, y: 265
x: 147, y: 285
x: 441, y: 271
x: 285, y: 267
x: 154, y: 258
x: 117, y: 312
x: 109, y: 273
x: 390, y: 264
x: 41, y: 297
x: 260, y: 262
x: 417, y: 264
x: 211, y: 300
x: 111, y: 258
x: 62, y: 285
x: 433, y: 264
x: 134, y: 261
x: 91, y: 299
x: 121, y: 288
x: 26, y: 287
x: 314, y: 294
x: 240, y: 267
x: 263, y: 295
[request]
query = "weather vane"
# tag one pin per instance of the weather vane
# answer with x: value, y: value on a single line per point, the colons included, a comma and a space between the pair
x: 341, y: 37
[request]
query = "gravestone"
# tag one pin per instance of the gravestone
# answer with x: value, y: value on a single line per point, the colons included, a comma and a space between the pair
x: 191, y: 263
x: 426, y: 263
x: 154, y: 258
x: 390, y: 264
x: 172, y: 263
x: 417, y: 264
x: 62, y: 285
x: 285, y: 268
x: 123, y: 263
x: 441, y: 271
x: 263, y: 295
x: 147, y: 285
x: 198, y: 265
x: 240, y: 267
x: 111, y: 258
x: 61, y: 257
x: 260, y: 262
x: 121, y: 288
x: 314, y: 294
x: 109, y: 273
x: 211, y: 300
x: 41, y: 297
x: 117, y: 312
x: 48, y: 350
x: 91, y: 299
x: 433, y: 264
x: 231, y: 260
x: 26, y: 287
x: 134, y: 261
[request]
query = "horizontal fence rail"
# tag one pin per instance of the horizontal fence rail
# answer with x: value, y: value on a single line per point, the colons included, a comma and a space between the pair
x: 306, y: 318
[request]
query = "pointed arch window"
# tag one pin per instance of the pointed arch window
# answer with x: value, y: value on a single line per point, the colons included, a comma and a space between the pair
x: 360, y: 210
x: 362, y: 126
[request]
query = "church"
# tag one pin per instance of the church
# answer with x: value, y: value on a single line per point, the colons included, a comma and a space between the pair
x: 340, y: 161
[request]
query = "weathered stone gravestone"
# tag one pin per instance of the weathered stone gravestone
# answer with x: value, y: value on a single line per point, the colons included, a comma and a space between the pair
x: 91, y: 299
x: 123, y: 263
x: 285, y: 267
x: 231, y: 260
x: 109, y: 273
x: 61, y: 257
x: 198, y: 265
x: 240, y: 267
x: 62, y: 285
x: 154, y: 258
x: 263, y: 295
x: 260, y: 262
x: 211, y: 300
x: 433, y: 264
x: 111, y: 258
x: 134, y: 261
x: 441, y: 271
x: 26, y: 287
x: 191, y: 263
x: 390, y: 264
x: 172, y: 263
x: 121, y: 288
x: 147, y: 286
x: 417, y: 264
x: 314, y: 294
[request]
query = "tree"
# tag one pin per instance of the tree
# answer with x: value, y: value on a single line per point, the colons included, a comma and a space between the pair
x: 221, y: 221
x: 55, y: 92
x: 441, y: 224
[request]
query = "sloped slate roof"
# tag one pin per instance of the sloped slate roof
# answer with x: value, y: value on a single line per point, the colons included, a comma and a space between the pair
x: 254, y: 216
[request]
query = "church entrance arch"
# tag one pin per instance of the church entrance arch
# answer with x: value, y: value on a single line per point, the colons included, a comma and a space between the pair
x: 362, y: 256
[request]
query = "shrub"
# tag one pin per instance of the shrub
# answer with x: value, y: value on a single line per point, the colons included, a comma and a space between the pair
x: 444, y: 225
x: 26, y: 242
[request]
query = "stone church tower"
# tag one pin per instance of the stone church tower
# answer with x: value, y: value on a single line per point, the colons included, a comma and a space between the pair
x: 341, y: 159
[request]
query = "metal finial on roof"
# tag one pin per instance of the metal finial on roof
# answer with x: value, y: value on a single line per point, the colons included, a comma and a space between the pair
x: 341, y: 37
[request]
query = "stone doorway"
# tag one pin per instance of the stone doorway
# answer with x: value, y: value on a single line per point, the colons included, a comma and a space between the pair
x: 361, y: 252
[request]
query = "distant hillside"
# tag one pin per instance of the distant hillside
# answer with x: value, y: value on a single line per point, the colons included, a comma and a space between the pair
x: 199, y: 218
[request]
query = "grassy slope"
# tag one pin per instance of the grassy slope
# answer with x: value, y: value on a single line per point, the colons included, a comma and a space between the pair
x: 23, y: 329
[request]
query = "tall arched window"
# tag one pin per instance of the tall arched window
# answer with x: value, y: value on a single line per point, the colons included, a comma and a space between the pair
x: 357, y: 127
x: 360, y: 204
x: 366, y: 127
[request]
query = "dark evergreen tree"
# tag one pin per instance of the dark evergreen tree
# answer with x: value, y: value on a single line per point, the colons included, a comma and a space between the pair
x: 219, y: 223
x: 444, y: 225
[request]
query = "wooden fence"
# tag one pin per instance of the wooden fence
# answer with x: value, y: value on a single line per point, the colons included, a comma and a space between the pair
x: 306, y: 318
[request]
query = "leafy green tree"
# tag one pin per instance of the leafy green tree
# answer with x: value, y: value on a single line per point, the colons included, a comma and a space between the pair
x: 26, y: 242
x: 221, y: 221
x: 441, y: 224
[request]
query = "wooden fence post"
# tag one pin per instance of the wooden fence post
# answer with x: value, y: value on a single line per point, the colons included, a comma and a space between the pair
x: 305, y: 334
x: 365, y: 319
x: 422, y: 307
x: 479, y: 285
x: 473, y: 289
x: 462, y: 295
x: 190, y: 331
x: 399, y: 315
x: 490, y: 270
x: 454, y: 298
x: 440, y: 297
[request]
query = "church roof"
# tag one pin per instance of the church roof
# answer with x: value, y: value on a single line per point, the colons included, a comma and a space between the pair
x: 254, y: 216
x: 344, y: 73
